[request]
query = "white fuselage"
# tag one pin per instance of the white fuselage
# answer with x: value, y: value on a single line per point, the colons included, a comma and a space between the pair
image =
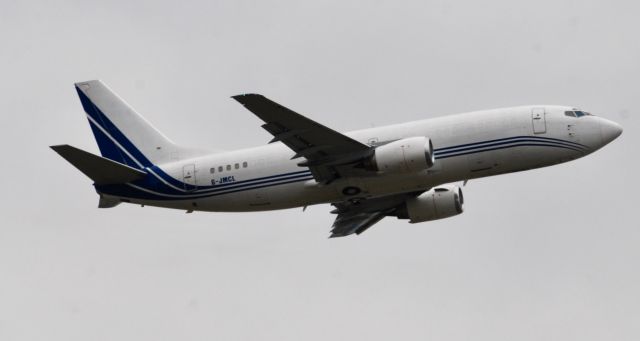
x: 467, y: 146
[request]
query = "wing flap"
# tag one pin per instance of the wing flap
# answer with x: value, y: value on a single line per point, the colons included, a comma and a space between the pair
x: 357, y: 216
x: 345, y: 225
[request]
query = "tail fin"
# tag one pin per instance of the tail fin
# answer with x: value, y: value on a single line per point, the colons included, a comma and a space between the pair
x: 122, y: 134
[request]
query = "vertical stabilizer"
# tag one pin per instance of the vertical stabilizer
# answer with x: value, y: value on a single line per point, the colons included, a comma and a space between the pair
x: 122, y: 134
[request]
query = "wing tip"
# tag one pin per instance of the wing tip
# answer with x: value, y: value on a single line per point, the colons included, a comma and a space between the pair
x: 241, y: 97
x: 87, y: 84
x: 58, y: 148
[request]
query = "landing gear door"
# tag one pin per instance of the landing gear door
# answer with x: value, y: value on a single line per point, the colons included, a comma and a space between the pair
x: 539, y: 120
x: 189, y: 177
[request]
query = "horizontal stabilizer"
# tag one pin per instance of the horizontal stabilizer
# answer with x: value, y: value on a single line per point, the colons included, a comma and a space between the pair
x: 101, y: 170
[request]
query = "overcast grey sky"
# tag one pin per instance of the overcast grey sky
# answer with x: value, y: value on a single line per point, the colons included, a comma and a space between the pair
x: 549, y: 254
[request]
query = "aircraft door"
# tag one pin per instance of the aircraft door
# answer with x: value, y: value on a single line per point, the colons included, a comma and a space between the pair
x: 539, y: 120
x: 189, y: 177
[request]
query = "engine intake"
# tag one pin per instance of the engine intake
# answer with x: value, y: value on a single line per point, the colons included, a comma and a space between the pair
x: 407, y: 155
x: 440, y: 202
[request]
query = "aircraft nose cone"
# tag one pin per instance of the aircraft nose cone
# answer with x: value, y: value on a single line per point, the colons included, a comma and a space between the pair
x: 609, y: 131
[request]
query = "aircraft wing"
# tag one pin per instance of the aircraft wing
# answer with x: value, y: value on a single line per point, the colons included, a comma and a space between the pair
x: 357, y: 216
x: 326, y: 150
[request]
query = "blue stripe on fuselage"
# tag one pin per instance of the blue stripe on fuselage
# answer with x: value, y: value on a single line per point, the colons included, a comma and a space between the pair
x: 502, y: 146
x: 514, y: 142
x: 510, y: 139
x: 249, y: 184
x: 133, y: 191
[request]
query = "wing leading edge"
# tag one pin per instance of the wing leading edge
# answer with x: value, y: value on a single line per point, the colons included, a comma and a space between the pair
x: 326, y: 151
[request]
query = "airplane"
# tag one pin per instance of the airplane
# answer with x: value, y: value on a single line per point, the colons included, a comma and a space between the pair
x: 405, y: 170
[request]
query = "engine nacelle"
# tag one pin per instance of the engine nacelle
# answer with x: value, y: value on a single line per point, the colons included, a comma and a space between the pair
x: 439, y: 202
x: 412, y: 154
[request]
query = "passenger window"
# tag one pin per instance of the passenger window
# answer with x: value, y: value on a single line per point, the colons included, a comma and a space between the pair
x: 244, y: 164
x: 228, y: 167
x: 212, y: 170
x: 237, y: 165
x: 220, y: 169
x: 570, y: 113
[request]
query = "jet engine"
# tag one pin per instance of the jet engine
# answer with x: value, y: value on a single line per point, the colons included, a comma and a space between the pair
x: 407, y: 155
x: 439, y: 202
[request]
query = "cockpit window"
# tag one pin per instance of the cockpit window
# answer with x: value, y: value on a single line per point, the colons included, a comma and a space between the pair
x: 577, y: 113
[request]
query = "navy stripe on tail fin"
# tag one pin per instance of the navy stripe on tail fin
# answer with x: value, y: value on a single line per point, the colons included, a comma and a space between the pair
x: 111, y: 141
x: 122, y: 134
